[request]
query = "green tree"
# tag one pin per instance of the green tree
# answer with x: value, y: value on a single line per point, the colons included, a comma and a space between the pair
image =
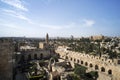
x: 94, y: 74
x: 80, y: 70
x: 112, y: 55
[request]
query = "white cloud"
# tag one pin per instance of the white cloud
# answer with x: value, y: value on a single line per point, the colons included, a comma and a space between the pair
x: 16, y: 4
x: 88, y: 23
x: 17, y: 15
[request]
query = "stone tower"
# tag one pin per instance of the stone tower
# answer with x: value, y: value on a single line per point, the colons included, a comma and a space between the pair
x: 47, y: 38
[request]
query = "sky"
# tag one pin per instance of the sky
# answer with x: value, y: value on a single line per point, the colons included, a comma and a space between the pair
x: 63, y: 18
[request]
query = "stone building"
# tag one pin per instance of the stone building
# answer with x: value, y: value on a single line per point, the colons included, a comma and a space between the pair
x: 37, y: 53
x: 44, y: 45
x: 97, y: 37
x: 107, y: 69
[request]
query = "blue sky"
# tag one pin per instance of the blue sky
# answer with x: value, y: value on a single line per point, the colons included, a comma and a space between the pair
x: 35, y: 18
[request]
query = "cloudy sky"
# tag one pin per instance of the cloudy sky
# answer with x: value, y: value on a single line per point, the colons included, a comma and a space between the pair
x: 35, y: 18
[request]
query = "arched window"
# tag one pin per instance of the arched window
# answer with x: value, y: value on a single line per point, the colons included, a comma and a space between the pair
x: 118, y: 61
x: 109, y: 71
x: 74, y: 60
x: 81, y: 62
x: 96, y: 67
x: 71, y: 59
x: 86, y: 64
x: 66, y: 57
x: 78, y: 61
x: 58, y: 55
x: 35, y: 56
x: 91, y: 65
x: 22, y: 58
x: 102, y: 69
x: 29, y: 57
x: 41, y: 56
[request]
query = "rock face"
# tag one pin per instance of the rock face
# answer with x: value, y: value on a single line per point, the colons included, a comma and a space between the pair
x: 108, y: 69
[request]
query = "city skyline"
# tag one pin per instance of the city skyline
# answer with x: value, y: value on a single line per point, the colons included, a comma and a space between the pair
x: 32, y: 18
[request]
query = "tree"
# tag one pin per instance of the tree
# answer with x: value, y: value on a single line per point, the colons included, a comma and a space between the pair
x: 55, y: 58
x: 80, y: 70
x: 94, y: 74
x: 112, y: 55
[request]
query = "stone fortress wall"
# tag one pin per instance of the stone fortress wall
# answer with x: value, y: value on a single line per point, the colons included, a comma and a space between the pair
x: 34, y: 54
x: 104, y: 66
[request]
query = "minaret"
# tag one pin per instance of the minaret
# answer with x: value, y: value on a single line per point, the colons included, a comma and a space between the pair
x: 47, y: 38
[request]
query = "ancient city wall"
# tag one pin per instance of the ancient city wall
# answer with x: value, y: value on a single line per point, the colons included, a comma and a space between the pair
x: 35, y: 54
x: 102, y: 65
